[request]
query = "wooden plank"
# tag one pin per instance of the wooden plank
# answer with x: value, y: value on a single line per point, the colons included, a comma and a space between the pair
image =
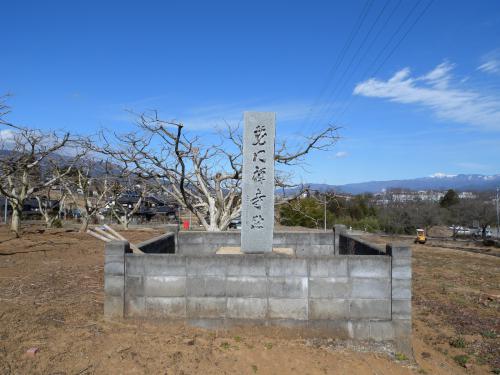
x: 134, y: 248
x: 98, y: 236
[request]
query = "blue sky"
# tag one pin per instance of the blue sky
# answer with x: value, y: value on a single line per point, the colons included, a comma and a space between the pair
x: 411, y: 100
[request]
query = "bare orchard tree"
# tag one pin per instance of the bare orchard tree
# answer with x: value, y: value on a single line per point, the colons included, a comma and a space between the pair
x: 88, y: 187
x: 25, y: 155
x: 204, y: 179
x: 47, y: 207
x: 133, y: 189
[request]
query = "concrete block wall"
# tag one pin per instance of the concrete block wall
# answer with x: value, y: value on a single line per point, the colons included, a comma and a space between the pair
x: 349, y: 296
x: 164, y: 244
x: 304, y: 243
x: 356, y: 246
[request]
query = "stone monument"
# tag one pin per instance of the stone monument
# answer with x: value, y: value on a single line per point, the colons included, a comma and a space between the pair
x: 257, y: 215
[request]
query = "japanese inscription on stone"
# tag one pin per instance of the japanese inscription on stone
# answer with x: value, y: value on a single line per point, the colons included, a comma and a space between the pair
x: 258, y: 182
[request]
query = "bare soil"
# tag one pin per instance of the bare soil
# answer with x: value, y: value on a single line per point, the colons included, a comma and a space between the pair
x: 51, y: 298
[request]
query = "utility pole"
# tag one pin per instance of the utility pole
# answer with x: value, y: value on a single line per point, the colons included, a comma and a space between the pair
x: 498, y: 217
x: 324, y: 212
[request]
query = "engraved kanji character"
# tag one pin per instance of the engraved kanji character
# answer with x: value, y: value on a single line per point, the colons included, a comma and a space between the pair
x: 257, y: 222
x: 260, y: 134
x: 259, y: 174
x: 257, y: 156
x: 258, y: 199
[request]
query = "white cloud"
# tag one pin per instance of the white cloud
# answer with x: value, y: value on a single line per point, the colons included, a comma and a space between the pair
x: 341, y: 154
x: 491, y: 62
x: 7, y: 135
x: 207, y: 117
x: 441, y: 175
x: 434, y: 91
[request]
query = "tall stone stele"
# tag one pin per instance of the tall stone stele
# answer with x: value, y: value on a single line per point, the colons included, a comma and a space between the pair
x: 257, y: 216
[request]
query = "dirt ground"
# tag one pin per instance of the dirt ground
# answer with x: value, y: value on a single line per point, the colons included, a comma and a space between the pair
x: 51, y: 298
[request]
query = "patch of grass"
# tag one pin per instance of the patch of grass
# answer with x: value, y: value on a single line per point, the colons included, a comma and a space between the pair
x: 461, y: 359
x: 237, y: 338
x: 496, y: 371
x: 268, y: 345
x: 422, y: 371
x: 254, y: 369
x: 225, y: 345
x: 458, y: 342
x: 489, y: 334
x: 400, y: 357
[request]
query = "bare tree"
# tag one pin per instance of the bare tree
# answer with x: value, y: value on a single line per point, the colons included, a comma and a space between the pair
x: 24, y: 159
x: 88, y: 187
x: 47, y: 207
x: 136, y: 191
x: 205, y: 180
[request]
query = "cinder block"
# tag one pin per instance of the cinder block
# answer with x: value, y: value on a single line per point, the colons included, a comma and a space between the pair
x: 376, y: 266
x: 134, y: 286
x: 116, y: 267
x: 113, y: 306
x: 330, y: 267
x: 401, y: 272
x: 135, y: 306
x: 359, y: 329
x: 114, y: 285
x: 164, y: 265
x: 206, y: 266
x: 288, y: 287
x: 206, y: 307
x: 246, y: 266
x: 166, y: 307
x: 315, y: 250
x: 328, y: 328
x: 402, y: 329
x: 134, y: 265
x: 370, y: 288
x: 329, y: 287
x: 381, y: 331
x: 399, y: 250
x: 165, y: 286
x: 288, y: 308
x: 325, y: 238
x: 247, y: 308
x: 328, y: 308
x: 246, y: 286
x: 191, y: 238
x: 401, y: 262
x: 206, y: 286
x: 401, y: 309
x: 116, y: 248
x: 401, y: 288
x: 286, y: 266
x: 370, y: 309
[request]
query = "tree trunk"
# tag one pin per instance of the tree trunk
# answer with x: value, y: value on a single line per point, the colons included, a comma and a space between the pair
x: 15, y: 224
x: 50, y: 221
x: 85, y: 224
x: 124, y: 222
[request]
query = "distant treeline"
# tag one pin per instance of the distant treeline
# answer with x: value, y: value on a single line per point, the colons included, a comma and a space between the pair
x: 361, y: 212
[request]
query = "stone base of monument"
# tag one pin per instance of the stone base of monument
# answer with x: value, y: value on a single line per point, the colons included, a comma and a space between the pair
x: 333, y: 286
x: 237, y: 250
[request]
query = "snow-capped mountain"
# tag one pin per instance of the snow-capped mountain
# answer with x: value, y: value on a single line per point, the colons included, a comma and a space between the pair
x: 437, y: 181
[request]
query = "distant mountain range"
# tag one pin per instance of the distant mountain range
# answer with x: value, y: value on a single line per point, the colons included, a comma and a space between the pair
x: 438, y: 181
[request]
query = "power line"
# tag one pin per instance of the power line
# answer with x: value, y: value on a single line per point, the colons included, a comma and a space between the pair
x: 388, y: 56
x: 345, y: 76
x: 340, y: 58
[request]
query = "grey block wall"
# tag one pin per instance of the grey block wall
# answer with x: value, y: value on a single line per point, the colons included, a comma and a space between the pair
x: 304, y: 243
x: 349, y: 296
